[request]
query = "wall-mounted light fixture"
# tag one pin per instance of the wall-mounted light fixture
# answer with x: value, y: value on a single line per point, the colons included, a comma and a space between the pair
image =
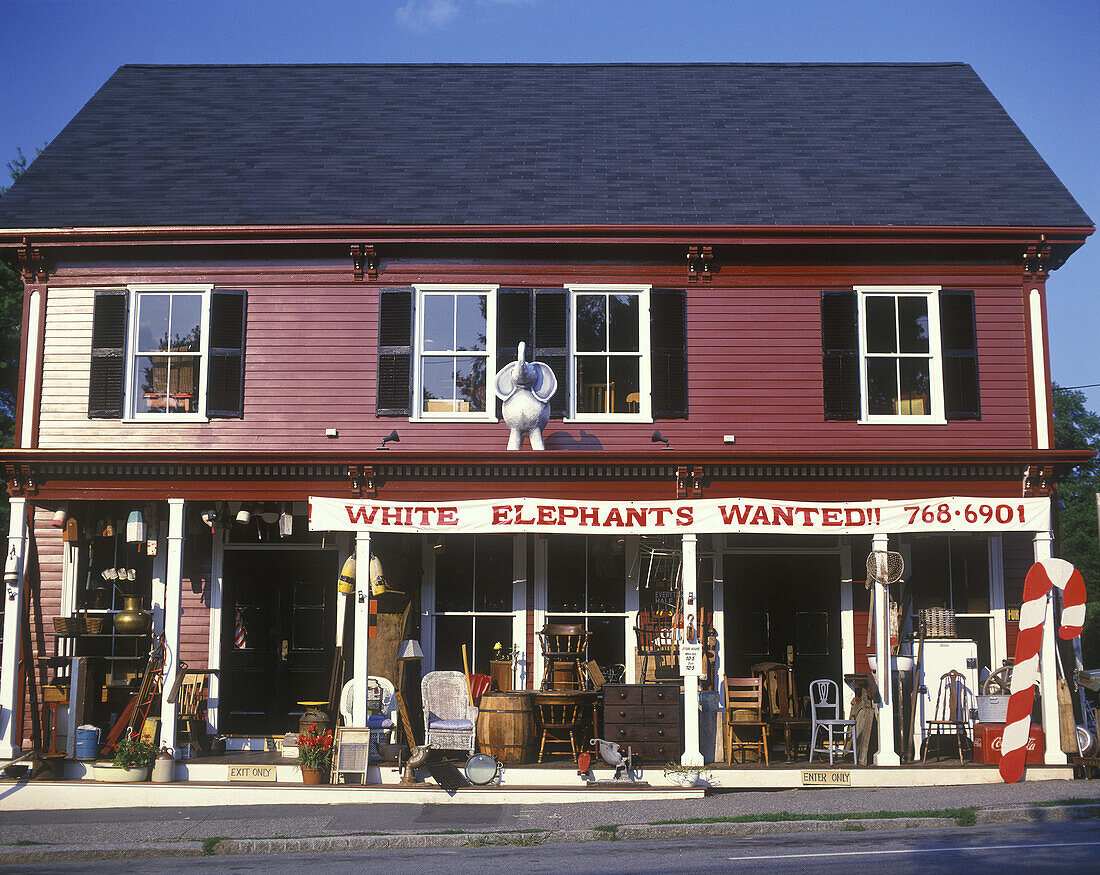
x: 392, y: 438
x: 659, y: 438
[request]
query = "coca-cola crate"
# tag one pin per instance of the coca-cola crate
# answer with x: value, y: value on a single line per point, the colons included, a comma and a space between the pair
x: 987, y: 744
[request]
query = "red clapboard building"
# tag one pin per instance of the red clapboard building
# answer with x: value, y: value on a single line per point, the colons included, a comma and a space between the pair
x: 795, y: 313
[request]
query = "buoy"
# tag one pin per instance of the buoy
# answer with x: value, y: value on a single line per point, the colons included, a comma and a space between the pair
x: 346, y: 583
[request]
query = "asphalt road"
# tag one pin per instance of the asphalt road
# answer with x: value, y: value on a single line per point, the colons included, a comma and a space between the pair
x: 1072, y: 846
x: 138, y: 825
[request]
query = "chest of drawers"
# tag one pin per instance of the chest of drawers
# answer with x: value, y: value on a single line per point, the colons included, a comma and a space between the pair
x: 647, y: 718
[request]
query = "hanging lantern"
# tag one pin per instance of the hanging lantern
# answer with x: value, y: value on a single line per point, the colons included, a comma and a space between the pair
x: 286, y: 522
x: 107, y: 528
x: 346, y: 583
x: 135, y: 527
x: 244, y: 515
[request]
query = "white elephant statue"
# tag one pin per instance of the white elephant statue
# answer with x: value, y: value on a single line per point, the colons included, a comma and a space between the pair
x: 526, y: 389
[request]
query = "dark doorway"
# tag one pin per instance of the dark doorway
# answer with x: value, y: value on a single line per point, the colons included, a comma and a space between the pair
x: 278, y: 637
x: 785, y: 609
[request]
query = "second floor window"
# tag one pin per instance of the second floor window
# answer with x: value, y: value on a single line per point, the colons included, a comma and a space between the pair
x: 168, y: 343
x: 167, y: 353
x: 899, y: 354
x: 455, y: 361
x: 610, y: 351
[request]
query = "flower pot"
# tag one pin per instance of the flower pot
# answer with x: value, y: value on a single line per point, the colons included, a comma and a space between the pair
x: 313, y: 776
x: 115, y: 775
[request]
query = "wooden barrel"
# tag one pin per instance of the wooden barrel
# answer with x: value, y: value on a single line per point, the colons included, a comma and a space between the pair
x: 506, y: 726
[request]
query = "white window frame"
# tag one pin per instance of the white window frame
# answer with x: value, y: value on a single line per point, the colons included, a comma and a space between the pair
x: 936, y: 415
x: 489, y: 414
x: 645, y: 409
x: 134, y: 292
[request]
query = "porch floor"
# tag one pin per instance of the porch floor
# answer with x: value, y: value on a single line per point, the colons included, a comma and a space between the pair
x: 528, y: 782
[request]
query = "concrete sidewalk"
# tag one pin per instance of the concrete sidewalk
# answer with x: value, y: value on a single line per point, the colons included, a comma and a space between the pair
x: 138, y: 833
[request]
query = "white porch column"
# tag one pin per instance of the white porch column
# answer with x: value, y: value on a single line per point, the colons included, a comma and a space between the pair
x: 1048, y: 673
x: 173, y: 586
x: 14, y: 575
x: 359, y: 670
x: 692, y: 756
x: 887, y: 755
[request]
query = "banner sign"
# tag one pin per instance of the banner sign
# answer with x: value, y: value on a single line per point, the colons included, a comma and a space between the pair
x: 699, y: 516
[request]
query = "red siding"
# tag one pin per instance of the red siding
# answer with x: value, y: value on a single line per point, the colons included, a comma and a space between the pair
x: 195, y: 624
x: 754, y: 354
x: 44, y: 585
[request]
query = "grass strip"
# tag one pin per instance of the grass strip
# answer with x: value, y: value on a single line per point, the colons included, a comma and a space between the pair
x: 209, y: 844
x: 962, y: 816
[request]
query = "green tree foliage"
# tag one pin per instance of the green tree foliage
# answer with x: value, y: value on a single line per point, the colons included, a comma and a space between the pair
x: 1076, y: 536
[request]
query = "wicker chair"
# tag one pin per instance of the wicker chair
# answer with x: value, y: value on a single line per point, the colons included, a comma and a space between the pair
x: 450, y: 721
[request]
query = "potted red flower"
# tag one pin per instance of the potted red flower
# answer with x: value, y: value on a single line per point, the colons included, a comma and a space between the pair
x: 314, y: 755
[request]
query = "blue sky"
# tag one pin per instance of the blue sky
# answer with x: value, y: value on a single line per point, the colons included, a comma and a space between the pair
x: 1041, y: 60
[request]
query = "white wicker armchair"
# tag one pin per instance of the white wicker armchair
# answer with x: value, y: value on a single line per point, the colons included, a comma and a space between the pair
x: 450, y: 721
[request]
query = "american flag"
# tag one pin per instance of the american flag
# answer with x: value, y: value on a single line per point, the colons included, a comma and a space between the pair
x: 240, y: 634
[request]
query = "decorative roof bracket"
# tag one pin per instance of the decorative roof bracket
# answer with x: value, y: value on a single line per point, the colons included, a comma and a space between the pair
x: 701, y: 263
x: 31, y: 263
x: 1036, y: 257
x: 689, y: 484
x: 362, y: 481
x: 364, y: 261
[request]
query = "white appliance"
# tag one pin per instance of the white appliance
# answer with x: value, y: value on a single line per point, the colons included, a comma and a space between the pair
x: 941, y: 655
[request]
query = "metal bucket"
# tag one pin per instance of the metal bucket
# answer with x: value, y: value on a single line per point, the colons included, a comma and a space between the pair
x: 992, y: 709
x: 87, y: 742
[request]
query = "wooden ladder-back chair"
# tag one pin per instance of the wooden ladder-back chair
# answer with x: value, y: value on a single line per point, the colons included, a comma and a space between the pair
x: 952, y: 714
x: 564, y: 649
x: 192, y: 694
x: 656, y: 639
x: 744, y: 713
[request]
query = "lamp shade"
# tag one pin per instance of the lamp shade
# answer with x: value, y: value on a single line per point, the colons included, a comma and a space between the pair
x: 410, y: 649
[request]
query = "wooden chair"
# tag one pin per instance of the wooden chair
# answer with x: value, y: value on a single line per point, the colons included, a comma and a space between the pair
x: 745, y: 712
x: 192, y: 720
x: 655, y: 639
x: 952, y: 714
x: 564, y: 649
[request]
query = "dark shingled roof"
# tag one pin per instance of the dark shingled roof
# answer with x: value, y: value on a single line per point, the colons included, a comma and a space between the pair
x: 591, y: 144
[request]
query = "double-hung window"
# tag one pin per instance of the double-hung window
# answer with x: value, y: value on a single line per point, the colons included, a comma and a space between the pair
x: 169, y: 336
x: 900, y: 370
x: 609, y: 353
x: 899, y: 354
x: 167, y: 353
x: 455, y: 363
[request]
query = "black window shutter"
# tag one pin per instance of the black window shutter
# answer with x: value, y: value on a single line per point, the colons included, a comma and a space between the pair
x: 515, y: 317
x: 551, y: 331
x: 108, y: 367
x: 959, y: 344
x: 395, y: 327
x: 668, y: 353
x: 840, y: 355
x: 225, y: 382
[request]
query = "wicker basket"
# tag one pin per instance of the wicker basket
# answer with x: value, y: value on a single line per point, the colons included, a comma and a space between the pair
x: 70, y: 625
x: 937, y: 623
x: 94, y: 625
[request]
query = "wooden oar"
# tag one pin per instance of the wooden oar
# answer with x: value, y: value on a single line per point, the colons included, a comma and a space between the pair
x: 466, y: 671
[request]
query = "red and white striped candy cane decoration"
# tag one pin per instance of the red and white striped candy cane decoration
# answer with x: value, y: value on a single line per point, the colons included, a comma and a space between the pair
x: 1043, y: 575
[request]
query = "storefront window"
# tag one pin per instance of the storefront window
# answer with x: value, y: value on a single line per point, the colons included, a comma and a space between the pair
x: 473, y: 599
x: 586, y: 583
